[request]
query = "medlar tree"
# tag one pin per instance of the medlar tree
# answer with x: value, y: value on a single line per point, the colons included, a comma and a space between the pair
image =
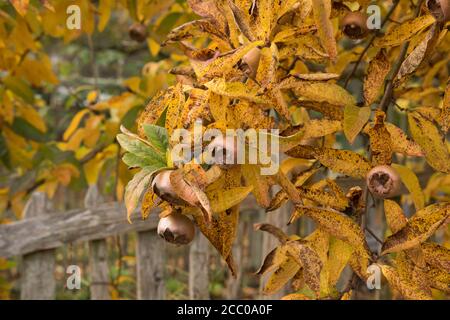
x: 345, y: 99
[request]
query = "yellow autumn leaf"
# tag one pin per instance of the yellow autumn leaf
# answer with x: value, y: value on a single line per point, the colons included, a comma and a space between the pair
x: 411, y: 182
x: 404, y: 287
x: 237, y: 90
x: 337, y: 224
x: 427, y: 135
x: 21, y: 6
x: 223, y: 64
x: 285, y: 272
x: 222, y: 200
x: 104, y: 10
x: 404, y: 32
x: 377, y: 71
x: 319, y: 91
x: 418, y: 229
x: 343, y: 161
x: 401, y: 142
x: 436, y: 255
x: 260, y: 185
x: 354, y: 120
x: 322, y: 12
x: 296, y: 296
x: 395, y: 218
x: 338, y: 257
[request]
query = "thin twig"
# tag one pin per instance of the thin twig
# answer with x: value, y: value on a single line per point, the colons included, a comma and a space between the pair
x: 373, y: 235
x: 389, y: 88
x: 369, y: 44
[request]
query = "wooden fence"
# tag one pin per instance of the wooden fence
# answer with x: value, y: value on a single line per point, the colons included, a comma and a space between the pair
x: 42, y: 231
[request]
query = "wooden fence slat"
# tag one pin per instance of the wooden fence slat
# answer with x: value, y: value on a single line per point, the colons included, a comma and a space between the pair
x: 150, y: 260
x: 199, y: 268
x: 37, y: 272
x: 75, y: 226
x: 98, y: 254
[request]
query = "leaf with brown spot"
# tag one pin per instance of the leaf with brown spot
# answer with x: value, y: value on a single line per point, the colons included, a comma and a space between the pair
x: 402, y: 143
x: 376, y: 73
x: 309, y: 260
x: 225, y: 63
x: 436, y: 255
x: 336, y: 224
x: 395, y: 218
x: 296, y: 296
x: 418, y: 229
x: 427, y: 135
x: 322, y: 12
x: 404, y: 287
x: 318, y: 91
x: 343, y: 161
x: 380, y: 141
x: 404, y: 32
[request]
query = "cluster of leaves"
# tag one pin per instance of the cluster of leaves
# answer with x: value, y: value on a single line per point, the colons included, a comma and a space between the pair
x: 45, y: 147
x: 281, y: 64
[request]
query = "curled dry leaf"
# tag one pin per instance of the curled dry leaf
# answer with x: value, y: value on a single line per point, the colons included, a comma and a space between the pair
x: 273, y: 230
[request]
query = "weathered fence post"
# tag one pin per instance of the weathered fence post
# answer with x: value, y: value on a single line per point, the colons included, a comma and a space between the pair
x: 37, y: 273
x: 98, y: 254
x: 198, y: 268
x: 150, y: 261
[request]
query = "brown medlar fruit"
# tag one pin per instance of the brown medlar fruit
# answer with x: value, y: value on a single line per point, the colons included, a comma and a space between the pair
x: 251, y: 59
x: 383, y: 181
x: 354, y: 25
x: 176, y: 228
x: 138, y: 32
x: 440, y: 9
x: 170, y: 186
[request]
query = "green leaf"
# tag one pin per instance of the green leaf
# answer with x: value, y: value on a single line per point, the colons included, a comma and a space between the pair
x: 141, y: 150
x: 133, y: 161
x: 157, y: 136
